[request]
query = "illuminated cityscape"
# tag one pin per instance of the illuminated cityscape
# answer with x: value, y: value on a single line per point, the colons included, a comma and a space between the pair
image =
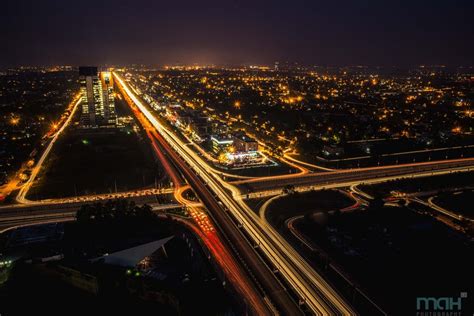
x: 237, y: 158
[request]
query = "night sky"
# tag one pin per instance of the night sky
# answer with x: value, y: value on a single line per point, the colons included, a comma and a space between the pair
x: 336, y: 33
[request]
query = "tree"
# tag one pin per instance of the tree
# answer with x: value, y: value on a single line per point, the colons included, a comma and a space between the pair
x: 289, y: 189
x: 113, y: 211
x: 376, y: 204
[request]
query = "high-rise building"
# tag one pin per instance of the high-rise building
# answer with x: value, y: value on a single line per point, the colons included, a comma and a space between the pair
x: 98, y: 108
x: 108, y: 98
x: 91, y: 95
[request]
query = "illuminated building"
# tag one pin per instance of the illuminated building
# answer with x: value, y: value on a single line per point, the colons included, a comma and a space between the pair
x: 220, y: 144
x: 333, y: 151
x: 98, y: 109
x: 108, y: 98
x: 91, y: 95
x: 245, y: 144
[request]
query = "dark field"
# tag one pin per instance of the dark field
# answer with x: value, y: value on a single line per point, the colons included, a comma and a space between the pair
x: 435, y: 183
x: 414, y: 254
x: 297, y: 204
x: 263, y: 171
x: 96, y: 163
x: 458, y: 202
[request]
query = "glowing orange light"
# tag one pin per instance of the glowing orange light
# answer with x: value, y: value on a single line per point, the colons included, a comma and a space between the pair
x: 14, y: 121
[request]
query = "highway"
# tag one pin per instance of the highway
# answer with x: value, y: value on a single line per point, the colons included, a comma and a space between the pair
x: 133, y: 195
x: 235, y: 238
x: 11, y: 218
x: 355, y: 176
x: 318, y: 296
x: 203, y: 227
x: 225, y: 203
x: 10, y: 224
x: 306, y: 164
x: 229, y: 265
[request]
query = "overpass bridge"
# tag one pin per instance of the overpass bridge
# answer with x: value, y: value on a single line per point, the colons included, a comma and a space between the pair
x: 52, y: 213
x: 341, y: 178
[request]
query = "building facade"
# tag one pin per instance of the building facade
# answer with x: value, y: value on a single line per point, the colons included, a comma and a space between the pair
x: 98, y: 107
x: 244, y: 144
x: 221, y: 143
x: 110, y: 118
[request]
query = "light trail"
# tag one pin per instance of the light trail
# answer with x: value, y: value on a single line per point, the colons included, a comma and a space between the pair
x: 371, y: 173
x: 203, y: 228
x: 309, y: 285
x: 304, y: 163
x: 21, y: 197
x: 23, y: 223
x: 225, y: 260
x: 349, y: 178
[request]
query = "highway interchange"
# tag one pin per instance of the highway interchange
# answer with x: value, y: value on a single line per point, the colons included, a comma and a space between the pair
x: 276, y: 269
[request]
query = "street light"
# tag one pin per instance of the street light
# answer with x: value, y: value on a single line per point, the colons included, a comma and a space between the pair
x: 14, y: 120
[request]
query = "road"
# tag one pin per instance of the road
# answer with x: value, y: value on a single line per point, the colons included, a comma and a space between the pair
x: 177, y: 170
x: 21, y: 197
x: 341, y: 178
x: 138, y: 196
x: 289, y: 157
x: 232, y: 270
x: 227, y: 208
x: 312, y: 289
x: 49, y: 214
x: 439, y: 209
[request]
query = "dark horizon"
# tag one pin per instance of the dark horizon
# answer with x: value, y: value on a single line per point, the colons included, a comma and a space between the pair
x: 342, y: 33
